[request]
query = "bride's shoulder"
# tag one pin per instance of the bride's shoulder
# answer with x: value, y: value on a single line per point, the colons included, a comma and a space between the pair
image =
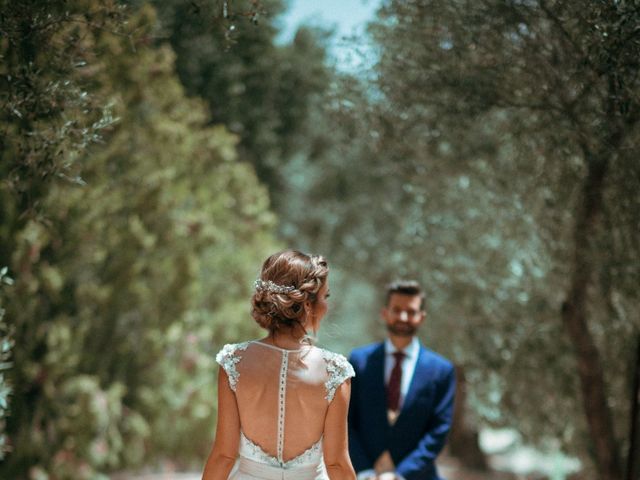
x: 332, y: 357
x: 231, y: 350
x: 228, y: 357
x: 230, y: 354
x: 338, y: 369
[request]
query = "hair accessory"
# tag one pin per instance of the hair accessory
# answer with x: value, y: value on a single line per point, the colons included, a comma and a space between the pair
x: 269, y: 286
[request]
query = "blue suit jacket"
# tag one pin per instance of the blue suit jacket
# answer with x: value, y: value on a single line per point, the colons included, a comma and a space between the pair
x: 421, y: 428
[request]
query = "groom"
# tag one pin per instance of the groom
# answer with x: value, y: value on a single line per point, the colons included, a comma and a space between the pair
x: 401, y: 397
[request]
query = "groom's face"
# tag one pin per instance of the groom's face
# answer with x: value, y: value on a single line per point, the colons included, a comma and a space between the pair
x: 403, y: 314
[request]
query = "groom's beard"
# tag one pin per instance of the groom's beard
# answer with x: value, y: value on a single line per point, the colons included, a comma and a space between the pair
x: 402, y: 329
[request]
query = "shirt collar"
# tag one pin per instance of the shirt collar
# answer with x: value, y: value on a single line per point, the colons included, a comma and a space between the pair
x: 410, y: 350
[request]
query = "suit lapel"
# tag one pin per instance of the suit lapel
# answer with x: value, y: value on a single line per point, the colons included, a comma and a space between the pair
x: 376, y: 384
x: 416, y: 382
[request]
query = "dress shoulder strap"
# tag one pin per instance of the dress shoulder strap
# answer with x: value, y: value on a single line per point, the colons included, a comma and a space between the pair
x: 339, y: 370
x: 228, y: 357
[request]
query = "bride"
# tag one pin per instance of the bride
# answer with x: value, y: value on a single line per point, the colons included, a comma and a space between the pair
x: 283, y: 402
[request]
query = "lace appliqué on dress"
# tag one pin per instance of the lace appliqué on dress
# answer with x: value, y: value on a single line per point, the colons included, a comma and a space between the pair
x: 254, y: 452
x: 228, y: 357
x: 339, y: 369
x: 282, y: 394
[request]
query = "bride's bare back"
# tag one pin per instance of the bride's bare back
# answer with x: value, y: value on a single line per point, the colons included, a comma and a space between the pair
x: 283, y: 396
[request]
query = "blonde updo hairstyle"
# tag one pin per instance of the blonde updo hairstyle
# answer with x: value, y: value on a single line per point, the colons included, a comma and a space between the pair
x: 291, y: 268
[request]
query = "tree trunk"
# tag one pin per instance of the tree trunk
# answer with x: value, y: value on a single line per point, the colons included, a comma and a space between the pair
x: 633, y: 458
x: 574, y: 317
x: 464, y: 435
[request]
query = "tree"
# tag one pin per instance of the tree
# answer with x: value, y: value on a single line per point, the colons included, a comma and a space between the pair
x: 6, y: 346
x: 46, y: 122
x: 129, y: 282
x: 263, y: 92
x: 564, y: 75
x: 495, y: 158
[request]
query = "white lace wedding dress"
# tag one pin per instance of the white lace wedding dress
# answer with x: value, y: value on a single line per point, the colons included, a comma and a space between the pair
x: 282, y: 398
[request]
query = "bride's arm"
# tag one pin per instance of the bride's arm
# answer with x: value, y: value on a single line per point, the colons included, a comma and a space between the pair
x: 335, y: 443
x: 225, y: 447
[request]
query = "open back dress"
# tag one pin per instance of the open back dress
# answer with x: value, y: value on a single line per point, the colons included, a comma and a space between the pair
x: 282, y: 397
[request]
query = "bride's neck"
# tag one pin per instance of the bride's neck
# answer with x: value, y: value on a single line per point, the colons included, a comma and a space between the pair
x: 288, y: 339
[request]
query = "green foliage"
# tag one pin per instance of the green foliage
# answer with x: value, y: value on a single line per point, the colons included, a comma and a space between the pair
x: 462, y: 164
x: 48, y: 116
x: 128, y: 283
x: 46, y: 122
x: 516, y: 104
x: 263, y: 92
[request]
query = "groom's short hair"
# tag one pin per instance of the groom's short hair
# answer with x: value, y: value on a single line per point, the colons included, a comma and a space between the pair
x: 405, y: 287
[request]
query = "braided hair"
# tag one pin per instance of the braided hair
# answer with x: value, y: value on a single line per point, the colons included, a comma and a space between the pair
x: 288, y: 279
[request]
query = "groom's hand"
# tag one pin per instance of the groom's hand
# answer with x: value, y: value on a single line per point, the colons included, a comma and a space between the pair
x: 387, y: 476
x: 384, y: 464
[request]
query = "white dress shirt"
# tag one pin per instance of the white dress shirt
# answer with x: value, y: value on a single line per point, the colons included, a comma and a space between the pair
x: 409, y: 362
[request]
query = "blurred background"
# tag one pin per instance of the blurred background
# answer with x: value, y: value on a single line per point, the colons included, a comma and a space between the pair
x: 154, y: 153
